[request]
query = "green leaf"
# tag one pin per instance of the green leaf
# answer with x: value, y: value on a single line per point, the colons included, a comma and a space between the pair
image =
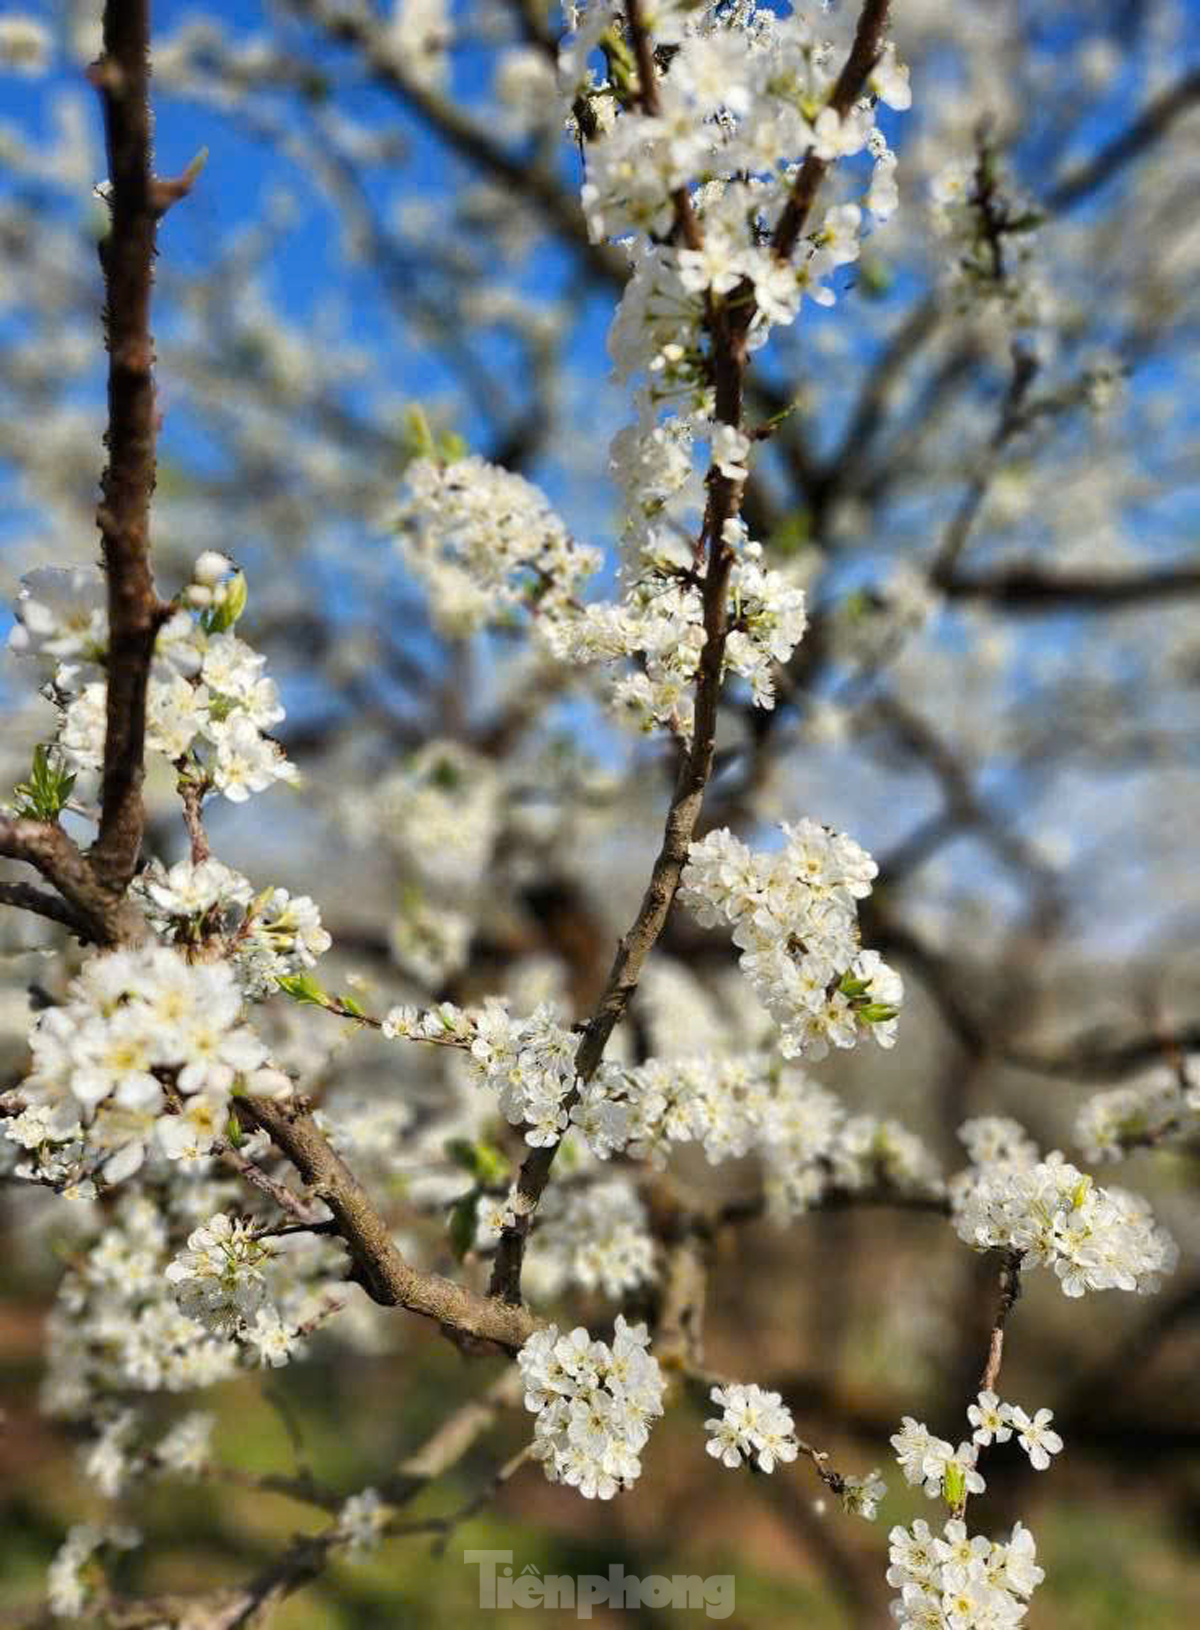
x: 233, y: 1131
x: 483, y: 1161
x: 43, y: 796
x: 452, y: 447
x: 222, y: 617
x: 418, y: 438
x: 877, y: 1012
x: 854, y: 987
x: 302, y: 987
x: 461, y: 1225
x: 351, y: 1006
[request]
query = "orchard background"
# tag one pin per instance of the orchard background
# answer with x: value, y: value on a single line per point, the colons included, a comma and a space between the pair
x: 971, y: 445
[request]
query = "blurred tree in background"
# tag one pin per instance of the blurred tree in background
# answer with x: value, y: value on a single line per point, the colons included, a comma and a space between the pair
x: 974, y: 452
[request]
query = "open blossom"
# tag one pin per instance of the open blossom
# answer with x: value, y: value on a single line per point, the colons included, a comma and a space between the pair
x: 219, y: 1279
x: 131, y: 1020
x: 1036, y: 1437
x: 794, y: 914
x: 1054, y: 1215
x: 485, y: 542
x: 207, y: 699
x: 754, y: 1426
x: 991, y: 1419
x: 594, y: 1405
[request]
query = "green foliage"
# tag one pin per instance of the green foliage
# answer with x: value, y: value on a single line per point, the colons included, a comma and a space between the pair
x: 44, y: 795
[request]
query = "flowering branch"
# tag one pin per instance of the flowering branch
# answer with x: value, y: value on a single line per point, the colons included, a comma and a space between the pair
x: 379, y: 1267
x: 1010, y: 1290
x: 864, y: 54
x: 729, y: 324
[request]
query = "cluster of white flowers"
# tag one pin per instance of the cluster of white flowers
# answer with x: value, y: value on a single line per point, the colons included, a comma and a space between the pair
x: 67, y: 1585
x: 219, y: 1279
x: 961, y: 1581
x: 264, y: 937
x: 118, y: 1326
x: 754, y: 1426
x: 208, y: 703
x: 793, y: 914
x: 362, y: 1519
x: 994, y: 1419
x: 528, y: 1063
x: 439, y: 814
x: 1054, y: 1215
x: 594, y: 1236
x: 486, y: 545
x: 1159, y: 1110
x: 144, y: 1053
x: 594, y: 1405
x: 186, y: 1448
x: 731, y: 1104
x: 990, y: 240
x: 935, y: 1464
x: 744, y: 96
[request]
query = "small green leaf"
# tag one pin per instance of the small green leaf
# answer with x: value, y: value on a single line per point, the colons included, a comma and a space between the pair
x: 877, y: 1012
x: 233, y: 1131
x: 452, y: 447
x: 43, y: 796
x: 461, y: 1225
x: 302, y: 987
x: 351, y: 1006
x: 222, y: 617
x: 418, y: 438
x: 483, y: 1161
x: 854, y: 987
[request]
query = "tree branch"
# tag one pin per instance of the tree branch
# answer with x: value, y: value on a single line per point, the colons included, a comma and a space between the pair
x: 135, y: 614
x: 1145, y: 130
x: 99, y: 913
x: 864, y: 54
x: 388, y: 1279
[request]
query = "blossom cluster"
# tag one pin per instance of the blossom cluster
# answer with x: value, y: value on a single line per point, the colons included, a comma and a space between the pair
x: 794, y: 915
x: 989, y: 238
x: 1164, y: 1108
x: 119, y: 1325
x: 142, y: 1057
x: 732, y: 1105
x: 68, y: 1586
x: 742, y: 96
x: 1053, y: 1215
x: 220, y: 1281
x: 528, y: 1063
x: 438, y: 813
x: 486, y: 545
x: 956, y: 1580
x: 960, y: 1581
x: 753, y: 1427
x: 209, y: 703
x: 594, y: 1405
x: 263, y: 937
x: 595, y: 1236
